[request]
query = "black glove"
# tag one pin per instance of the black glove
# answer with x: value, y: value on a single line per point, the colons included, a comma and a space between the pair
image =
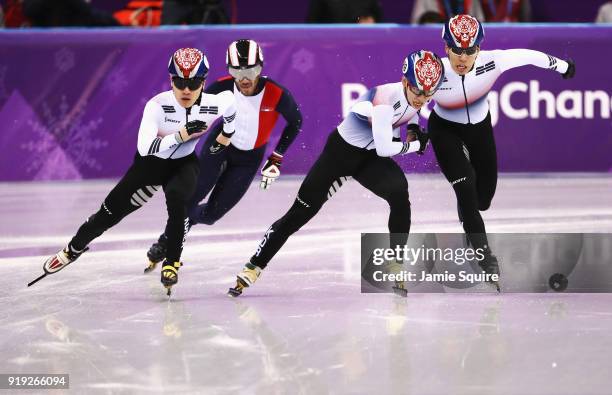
x: 571, y: 70
x: 421, y: 136
x: 195, y: 126
x: 216, y: 147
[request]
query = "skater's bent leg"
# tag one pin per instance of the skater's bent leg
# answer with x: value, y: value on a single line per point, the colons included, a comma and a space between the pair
x: 455, y: 166
x: 231, y: 186
x: 130, y: 193
x: 385, y: 178
x: 483, y: 156
x: 312, y: 195
x: 95, y: 225
x: 211, y: 168
x: 178, y: 190
x: 275, y: 237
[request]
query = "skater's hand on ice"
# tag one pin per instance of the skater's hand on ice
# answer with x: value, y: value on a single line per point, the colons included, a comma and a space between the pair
x: 571, y: 70
x: 271, y: 170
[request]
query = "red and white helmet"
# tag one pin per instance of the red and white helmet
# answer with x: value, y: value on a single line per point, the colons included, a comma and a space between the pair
x: 462, y: 31
x: 188, y: 63
x: 244, y: 54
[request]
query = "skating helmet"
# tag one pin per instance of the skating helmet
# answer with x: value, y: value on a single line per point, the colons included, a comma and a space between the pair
x: 243, y: 54
x: 424, y: 71
x: 462, y: 31
x: 188, y: 63
x: 244, y: 59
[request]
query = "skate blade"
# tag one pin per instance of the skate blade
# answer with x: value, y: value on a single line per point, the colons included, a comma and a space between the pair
x: 495, y: 285
x: 151, y: 267
x: 168, y: 290
x: 237, y: 290
x: 400, y: 291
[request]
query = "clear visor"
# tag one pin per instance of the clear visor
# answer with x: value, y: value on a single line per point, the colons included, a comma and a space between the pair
x: 250, y: 74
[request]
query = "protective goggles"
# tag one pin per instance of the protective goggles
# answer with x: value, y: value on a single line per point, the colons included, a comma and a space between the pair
x: 468, y: 51
x: 249, y: 73
x: 417, y: 92
x: 191, y: 83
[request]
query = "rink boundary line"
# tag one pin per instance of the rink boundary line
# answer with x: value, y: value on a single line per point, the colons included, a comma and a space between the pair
x: 214, y: 246
x: 444, y: 226
x: 567, y: 176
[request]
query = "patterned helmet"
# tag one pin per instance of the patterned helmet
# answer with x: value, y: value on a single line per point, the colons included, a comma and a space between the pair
x: 243, y: 54
x: 462, y: 31
x: 188, y: 63
x: 424, y: 71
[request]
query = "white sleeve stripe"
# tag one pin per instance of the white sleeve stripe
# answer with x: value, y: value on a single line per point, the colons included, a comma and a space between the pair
x: 230, y: 118
x: 154, y: 146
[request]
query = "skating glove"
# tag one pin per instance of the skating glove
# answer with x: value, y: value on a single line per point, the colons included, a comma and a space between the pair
x: 571, y: 70
x: 221, y: 142
x: 420, y: 135
x: 270, y: 170
x: 216, y: 147
x: 196, y: 126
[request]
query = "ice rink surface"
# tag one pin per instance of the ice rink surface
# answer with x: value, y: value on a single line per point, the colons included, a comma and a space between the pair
x: 304, y: 328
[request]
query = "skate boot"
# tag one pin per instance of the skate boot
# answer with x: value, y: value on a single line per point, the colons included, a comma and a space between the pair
x: 169, y: 275
x: 399, y: 287
x: 249, y: 274
x: 157, y: 253
x: 62, y: 259
x: 58, y: 261
x: 490, y: 265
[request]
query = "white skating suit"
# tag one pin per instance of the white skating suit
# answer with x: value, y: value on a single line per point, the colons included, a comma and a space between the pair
x: 463, y: 99
x: 376, y: 118
x: 163, y: 117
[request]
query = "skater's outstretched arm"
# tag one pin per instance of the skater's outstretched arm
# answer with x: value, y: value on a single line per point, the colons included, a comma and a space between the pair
x: 511, y: 58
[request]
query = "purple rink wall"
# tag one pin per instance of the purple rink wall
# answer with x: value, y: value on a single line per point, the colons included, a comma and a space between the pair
x: 71, y: 100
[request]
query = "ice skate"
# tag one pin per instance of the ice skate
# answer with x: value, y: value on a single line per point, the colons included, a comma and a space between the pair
x: 490, y: 265
x: 156, y: 253
x: 59, y: 261
x: 399, y: 287
x: 169, y: 275
x: 249, y: 274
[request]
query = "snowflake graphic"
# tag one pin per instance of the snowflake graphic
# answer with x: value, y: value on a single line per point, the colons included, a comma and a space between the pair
x: 116, y: 82
x: 302, y: 61
x: 3, y: 91
x: 64, y: 130
x: 64, y: 59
